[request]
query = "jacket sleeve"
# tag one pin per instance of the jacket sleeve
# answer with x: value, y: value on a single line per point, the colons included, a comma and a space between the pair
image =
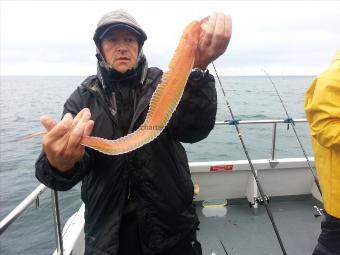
x: 50, y: 176
x: 322, y: 106
x: 195, y: 115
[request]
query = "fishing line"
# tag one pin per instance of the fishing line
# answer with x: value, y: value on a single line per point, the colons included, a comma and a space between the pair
x: 292, y: 123
x: 259, y: 186
x: 225, y: 250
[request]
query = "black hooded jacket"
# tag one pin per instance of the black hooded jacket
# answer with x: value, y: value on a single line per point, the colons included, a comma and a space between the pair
x: 156, y: 175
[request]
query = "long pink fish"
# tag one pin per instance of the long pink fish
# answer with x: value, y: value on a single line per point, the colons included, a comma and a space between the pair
x: 163, y: 102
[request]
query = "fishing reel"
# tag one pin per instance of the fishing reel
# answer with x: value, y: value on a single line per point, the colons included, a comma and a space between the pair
x: 259, y: 201
x: 318, y: 211
x: 288, y: 121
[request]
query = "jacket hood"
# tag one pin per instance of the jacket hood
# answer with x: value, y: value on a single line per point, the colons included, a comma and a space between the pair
x: 108, y: 76
x: 119, y: 18
x: 109, y: 21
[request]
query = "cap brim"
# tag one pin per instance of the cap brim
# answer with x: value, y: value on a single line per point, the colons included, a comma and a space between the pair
x: 120, y: 25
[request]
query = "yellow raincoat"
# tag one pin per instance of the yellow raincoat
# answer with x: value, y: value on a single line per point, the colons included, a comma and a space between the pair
x: 322, y: 106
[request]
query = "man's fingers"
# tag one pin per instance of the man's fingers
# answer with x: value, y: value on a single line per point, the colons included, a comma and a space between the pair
x: 61, y: 128
x: 212, y: 22
x: 88, y: 128
x: 79, y: 116
x: 222, y: 33
x: 62, y: 143
x: 219, y: 27
x: 227, y: 29
x: 47, y: 122
x: 55, y: 141
x: 209, y: 30
x: 204, y: 23
x: 78, y: 130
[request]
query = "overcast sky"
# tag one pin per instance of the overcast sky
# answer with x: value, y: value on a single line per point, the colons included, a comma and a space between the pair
x: 285, y: 38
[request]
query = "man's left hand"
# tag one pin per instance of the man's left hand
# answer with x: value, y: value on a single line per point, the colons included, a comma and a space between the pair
x: 214, y: 41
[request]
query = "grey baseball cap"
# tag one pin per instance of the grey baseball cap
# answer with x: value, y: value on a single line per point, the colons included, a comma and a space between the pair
x: 118, y: 19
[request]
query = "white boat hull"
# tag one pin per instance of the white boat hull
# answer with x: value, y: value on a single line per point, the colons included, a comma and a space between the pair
x: 225, y: 180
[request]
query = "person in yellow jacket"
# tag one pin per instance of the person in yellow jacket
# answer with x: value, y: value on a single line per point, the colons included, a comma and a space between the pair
x: 322, y: 106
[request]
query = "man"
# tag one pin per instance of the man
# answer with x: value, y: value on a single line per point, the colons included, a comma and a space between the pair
x: 322, y: 106
x: 139, y: 202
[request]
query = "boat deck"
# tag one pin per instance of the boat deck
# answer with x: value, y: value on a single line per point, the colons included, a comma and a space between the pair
x: 244, y: 230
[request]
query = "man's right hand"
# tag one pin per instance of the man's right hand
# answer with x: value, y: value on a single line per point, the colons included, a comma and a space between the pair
x: 62, y: 141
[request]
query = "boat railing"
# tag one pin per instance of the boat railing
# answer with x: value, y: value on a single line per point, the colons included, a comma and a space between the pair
x: 269, y: 121
x: 33, y: 198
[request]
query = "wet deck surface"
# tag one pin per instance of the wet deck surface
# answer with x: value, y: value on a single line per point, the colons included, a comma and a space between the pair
x: 243, y: 232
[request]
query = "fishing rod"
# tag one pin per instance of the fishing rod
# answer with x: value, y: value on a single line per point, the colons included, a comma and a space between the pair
x: 259, y: 186
x: 292, y: 123
x: 225, y: 250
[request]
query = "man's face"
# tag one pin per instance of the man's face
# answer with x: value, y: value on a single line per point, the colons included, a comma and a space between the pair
x: 120, y: 49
